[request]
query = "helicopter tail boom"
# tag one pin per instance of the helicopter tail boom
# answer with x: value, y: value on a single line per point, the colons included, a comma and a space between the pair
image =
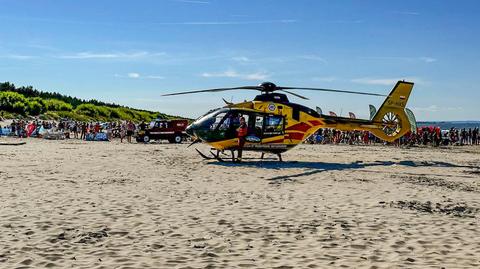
x: 389, y: 123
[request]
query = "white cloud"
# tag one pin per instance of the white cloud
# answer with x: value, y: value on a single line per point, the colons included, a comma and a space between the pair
x: 226, y: 22
x: 346, y: 21
x: 235, y: 74
x: 370, y: 81
x: 227, y: 74
x: 241, y: 59
x: 280, y: 59
x: 424, y: 59
x: 313, y: 58
x: 384, y: 81
x: 135, y: 75
x: 428, y: 59
x: 431, y: 108
x: 256, y: 76
x: 49, y: 20
x: 435, y: 108
x: 155, y: 77
x: 41, y: 47
x: 115, y: 55
x: 411, y: 13
x: 17, y: 57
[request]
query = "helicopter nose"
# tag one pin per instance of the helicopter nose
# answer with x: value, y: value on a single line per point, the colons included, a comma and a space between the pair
x: 190, y: 130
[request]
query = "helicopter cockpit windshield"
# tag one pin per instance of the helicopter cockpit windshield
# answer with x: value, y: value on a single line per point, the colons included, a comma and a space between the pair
x: 211, y: 120
x: 218, y: 125
x: 206, y: 127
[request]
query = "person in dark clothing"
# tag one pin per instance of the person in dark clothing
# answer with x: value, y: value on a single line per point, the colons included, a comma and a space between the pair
x: 83, y: 134
x: 13, y: 127
x: 142, y: 126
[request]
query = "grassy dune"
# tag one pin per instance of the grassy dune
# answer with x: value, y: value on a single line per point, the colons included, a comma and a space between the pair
x: 26, y: 102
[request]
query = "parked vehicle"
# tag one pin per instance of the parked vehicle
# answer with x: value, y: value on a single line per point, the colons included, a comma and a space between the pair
x: 171, y: 130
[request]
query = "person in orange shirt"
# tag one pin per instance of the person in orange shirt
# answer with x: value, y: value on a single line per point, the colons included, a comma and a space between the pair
x: 241, y: 134
x: 97, y: 128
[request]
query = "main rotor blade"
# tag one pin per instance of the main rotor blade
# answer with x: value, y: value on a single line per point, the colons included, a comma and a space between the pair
x: 215, y: 90
x: 329, y: 90
x: 294, y: 94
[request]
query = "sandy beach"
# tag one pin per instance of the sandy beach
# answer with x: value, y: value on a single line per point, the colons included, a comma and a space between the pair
x: 75, y: 204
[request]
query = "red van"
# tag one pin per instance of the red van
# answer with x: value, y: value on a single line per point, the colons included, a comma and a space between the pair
x: 171, y: 130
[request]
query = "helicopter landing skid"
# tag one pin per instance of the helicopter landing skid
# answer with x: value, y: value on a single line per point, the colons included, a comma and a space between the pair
x: 216, y: 156
x: 203, y: 155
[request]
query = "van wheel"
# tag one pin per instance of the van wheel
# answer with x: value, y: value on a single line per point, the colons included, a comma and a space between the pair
x: 146, y: 139
x: 178, y: 139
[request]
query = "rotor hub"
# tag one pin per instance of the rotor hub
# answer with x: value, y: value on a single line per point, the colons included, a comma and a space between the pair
x: 268, y: 87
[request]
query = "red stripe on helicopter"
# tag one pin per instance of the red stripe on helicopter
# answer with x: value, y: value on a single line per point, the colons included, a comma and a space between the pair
x: 315, y: 122
x: 276, y: 141
x: 296, y: 136
x: 302, y: 127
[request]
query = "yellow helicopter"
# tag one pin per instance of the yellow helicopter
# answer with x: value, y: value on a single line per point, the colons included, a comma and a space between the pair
x: 275, y: 125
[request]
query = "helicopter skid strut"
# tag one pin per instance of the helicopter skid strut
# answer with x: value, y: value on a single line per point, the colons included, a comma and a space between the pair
x: 216, y: 156
x: 203, y: 155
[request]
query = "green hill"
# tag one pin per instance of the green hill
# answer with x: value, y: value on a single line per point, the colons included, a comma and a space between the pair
x: 20, y: 102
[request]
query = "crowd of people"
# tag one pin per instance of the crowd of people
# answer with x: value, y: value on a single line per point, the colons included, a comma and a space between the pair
x: 424, y: 136
x: 72, y: 129
x: 125, y: 130
x: 436, y: 137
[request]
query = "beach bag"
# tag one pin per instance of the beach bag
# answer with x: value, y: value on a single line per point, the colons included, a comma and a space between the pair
x: 101, y: 137
x: 54, y: 135
x: 41, y: 131
x: 90, y: 137
x: 6, y: 132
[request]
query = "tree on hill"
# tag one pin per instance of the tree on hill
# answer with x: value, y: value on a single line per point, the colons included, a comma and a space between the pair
x: 27, y: 101
x: 29, y: 91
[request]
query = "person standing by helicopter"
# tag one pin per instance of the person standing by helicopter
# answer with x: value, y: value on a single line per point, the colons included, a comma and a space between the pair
x: 241, y: 134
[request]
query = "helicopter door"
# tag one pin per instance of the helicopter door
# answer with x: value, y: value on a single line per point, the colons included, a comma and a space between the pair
x: 230, y: 123
x: 274, y: 125
x: 258, y: 128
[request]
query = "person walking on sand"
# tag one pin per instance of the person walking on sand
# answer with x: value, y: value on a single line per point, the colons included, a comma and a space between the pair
x: 241, y: 134
x: 123, y: 131
x: 83, y: 134
x: 75, y: 129
x: 109, y: 130
x: 130, y: 131
x: 13, y: 127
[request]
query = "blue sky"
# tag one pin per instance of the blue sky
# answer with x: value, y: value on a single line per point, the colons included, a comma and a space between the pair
x: 131, y: 52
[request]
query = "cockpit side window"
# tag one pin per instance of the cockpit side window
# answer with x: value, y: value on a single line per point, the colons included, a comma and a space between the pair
x: 217, y: 120
x: 226, y: 123
x: 274, y: 125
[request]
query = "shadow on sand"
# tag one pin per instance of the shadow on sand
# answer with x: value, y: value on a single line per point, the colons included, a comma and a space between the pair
x: 318, y: 167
